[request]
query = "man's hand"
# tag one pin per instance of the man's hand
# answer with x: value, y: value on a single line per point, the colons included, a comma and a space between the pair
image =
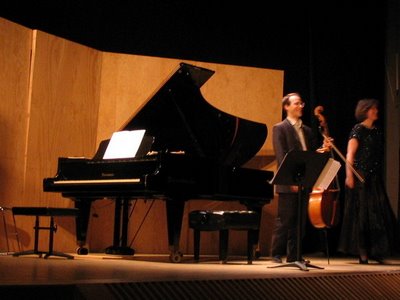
x: 326, y: 146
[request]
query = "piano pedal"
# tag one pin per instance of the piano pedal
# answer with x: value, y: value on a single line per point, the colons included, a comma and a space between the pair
x: 175, y: 256
x: 120, y: 250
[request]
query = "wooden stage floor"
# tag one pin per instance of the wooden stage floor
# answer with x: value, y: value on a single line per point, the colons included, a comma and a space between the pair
x: 119, y: 275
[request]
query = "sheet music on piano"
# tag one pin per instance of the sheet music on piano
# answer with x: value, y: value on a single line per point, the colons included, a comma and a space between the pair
x: 124, y: 144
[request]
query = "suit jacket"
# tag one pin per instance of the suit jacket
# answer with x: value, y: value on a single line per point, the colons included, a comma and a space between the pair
x: 286, y: 139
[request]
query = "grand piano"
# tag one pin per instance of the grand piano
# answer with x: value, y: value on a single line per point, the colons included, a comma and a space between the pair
x: 192, y: 151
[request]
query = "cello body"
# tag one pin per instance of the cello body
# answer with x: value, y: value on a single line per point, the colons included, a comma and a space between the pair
x: 323, y: 205
x: 323, y: 208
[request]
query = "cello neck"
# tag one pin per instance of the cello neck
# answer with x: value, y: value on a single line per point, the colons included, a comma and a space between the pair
x: 325, y: 133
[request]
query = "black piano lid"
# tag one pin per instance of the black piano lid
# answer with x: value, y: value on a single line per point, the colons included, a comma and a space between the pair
x: 180, y: 119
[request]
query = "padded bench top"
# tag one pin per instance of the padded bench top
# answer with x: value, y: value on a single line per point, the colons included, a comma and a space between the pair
x: 223, y: 212
x: 224, y: 219
x: 44, y: 211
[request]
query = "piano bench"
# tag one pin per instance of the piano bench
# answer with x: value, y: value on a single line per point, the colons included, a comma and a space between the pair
x: 223, y: 221
x: 44, y: 212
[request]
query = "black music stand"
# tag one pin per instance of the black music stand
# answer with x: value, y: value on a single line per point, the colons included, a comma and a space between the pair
x: 300, y: 168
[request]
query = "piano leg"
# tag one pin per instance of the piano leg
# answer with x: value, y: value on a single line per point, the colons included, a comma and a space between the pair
x: 256, y: 206
x: 120, y: 241
x: 81, y: 223
x: 174, y: 209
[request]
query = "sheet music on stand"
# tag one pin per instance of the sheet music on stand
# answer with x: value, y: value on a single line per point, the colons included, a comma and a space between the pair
x: 327, y: 175
x: 124, y: 144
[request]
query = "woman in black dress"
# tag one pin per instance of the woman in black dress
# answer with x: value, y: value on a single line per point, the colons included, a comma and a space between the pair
x: 368, y: 220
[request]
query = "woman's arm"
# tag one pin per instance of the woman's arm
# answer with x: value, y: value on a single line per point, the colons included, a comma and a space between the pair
x: 352, y: 147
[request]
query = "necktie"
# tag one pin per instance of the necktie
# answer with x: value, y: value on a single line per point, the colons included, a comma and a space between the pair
x: 300, y: 132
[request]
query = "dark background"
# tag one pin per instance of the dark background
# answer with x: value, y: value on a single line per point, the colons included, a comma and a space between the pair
x: 332, y: 52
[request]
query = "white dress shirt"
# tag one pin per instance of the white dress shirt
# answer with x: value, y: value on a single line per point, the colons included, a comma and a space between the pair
x: 298, y: 125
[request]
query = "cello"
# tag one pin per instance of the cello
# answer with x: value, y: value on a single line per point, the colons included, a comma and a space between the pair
x: 323, y: 205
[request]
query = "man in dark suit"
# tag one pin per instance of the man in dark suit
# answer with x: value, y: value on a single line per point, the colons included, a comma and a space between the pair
x: 290, y: 134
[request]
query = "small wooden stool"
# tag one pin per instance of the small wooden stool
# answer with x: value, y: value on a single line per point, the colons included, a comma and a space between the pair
x: 223, y: 221
x: 45, y: 212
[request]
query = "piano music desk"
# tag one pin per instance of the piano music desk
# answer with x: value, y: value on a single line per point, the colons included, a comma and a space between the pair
x: 44, y: 212
x: 223, y: 221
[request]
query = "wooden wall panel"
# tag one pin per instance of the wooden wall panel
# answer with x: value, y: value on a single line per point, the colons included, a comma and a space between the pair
x: 64, y: 109
x: 50, y: 109
x: 63, y: 117
x: 15, y: 50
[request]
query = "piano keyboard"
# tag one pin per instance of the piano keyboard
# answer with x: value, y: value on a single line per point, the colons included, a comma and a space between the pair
x: 96, y: 181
